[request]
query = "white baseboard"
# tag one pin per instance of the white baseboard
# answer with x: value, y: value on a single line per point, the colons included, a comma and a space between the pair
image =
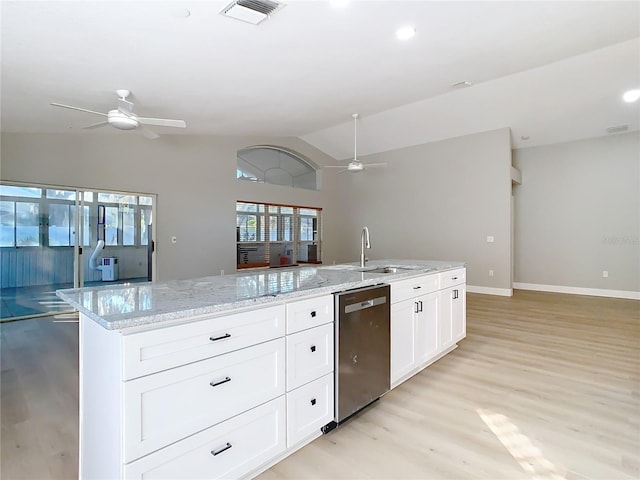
x: 503, y: 292
x: 595, y: 292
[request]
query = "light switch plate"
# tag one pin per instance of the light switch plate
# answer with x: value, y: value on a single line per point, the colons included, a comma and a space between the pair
x: 490, y: 239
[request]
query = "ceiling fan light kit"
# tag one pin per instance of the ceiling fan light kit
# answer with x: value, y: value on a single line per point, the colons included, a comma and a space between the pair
x: 120, y: 121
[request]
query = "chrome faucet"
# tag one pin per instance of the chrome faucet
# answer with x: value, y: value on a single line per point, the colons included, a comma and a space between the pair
x: 364, y: 243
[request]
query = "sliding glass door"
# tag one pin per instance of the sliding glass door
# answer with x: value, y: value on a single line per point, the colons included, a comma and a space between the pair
x: 60, y: 237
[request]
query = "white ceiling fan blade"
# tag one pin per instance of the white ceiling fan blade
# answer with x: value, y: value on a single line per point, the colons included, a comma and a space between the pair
x: 125, y: 106
x: 95, y: 125
x: 148, y: 133
x: 375, y: 164
x: 77, y: 108
x: 162, y: 122
x: 334, y: 166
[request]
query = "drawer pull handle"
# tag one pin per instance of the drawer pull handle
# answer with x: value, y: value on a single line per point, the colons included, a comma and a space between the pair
x: 417, y: 287
x: 313, y: 314
x: 454, y: 278
x: 313, y: 401
x: 214, y: 339
x: 215, y: 384
x: 223, y: 449
x: 313, y: 348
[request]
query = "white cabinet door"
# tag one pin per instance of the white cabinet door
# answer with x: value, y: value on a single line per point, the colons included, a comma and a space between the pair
x: 426, y: 329
x: 309, y: 355
x: 403, y: 334
x: 459, y: 313
x: 163, y: 408
x: 445, y: 322
x: 231, y: 449
x: 309, y: 408
x: 453, y: 316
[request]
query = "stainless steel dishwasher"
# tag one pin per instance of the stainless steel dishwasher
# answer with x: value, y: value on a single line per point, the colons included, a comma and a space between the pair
x: 362, y: 348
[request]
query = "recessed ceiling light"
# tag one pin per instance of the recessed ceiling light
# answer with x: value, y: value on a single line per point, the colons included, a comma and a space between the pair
x: 406, y: 32
x: 181, y: 13
x: 631, y: 96
x: 339, y: 3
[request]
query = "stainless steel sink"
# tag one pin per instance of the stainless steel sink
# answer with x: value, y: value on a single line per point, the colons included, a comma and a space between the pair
x: 384, y: 270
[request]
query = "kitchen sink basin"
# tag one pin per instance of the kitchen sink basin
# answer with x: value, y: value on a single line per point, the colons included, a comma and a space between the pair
x: 384, y: 270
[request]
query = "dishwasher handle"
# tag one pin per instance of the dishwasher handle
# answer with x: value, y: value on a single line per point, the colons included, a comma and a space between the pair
x: 371, y: 302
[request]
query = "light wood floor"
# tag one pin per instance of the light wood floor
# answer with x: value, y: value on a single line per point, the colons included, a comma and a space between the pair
x: 545, y: 386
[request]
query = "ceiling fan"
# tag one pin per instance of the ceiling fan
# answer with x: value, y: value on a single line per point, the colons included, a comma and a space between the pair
x: 355, y: 165
x: 123, y: 117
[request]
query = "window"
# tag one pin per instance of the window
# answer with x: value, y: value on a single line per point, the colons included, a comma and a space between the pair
x: 120, y: 218
x: 277, y: 166
x: 19, y: 216
x: 276, y: 235
x: 61, y: 216
x: 32, y: 217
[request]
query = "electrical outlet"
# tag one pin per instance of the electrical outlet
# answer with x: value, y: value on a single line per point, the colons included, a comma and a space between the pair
x: 490, y: 239
x: 605, y: 274
x: 174, y: 239
x: 491, y: 273
x: 221, y: 272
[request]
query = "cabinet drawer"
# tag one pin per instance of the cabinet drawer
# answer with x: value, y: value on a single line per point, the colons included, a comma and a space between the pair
x: 162, y: 408
x: 309, y: 355
x: 241, y: 444
x: 453, y: 277
x: 309, y: 313
x: 309, y: 408
x: 411, y: 288
x: 205, y: 337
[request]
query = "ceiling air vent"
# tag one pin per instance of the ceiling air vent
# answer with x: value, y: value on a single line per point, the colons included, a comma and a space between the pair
x: 251, y: 11
x: 617, y: 129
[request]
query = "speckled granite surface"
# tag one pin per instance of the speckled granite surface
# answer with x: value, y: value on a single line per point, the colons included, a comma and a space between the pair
x: 118, y: 307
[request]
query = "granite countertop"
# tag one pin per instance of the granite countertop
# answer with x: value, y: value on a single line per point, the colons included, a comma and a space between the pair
x: 119, y: 307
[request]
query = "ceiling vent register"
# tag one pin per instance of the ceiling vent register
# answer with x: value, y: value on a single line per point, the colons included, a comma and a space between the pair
x: 251, y: 11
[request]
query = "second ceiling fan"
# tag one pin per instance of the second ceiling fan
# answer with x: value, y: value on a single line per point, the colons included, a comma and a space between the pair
x: 355, y: 165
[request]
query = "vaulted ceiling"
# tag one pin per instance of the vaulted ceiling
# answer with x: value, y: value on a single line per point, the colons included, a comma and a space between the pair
x: 551, y: 71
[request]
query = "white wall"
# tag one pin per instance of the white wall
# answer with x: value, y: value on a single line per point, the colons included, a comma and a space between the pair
x: 435, y: 201
x: 193, y: 176
x: 578, y: 213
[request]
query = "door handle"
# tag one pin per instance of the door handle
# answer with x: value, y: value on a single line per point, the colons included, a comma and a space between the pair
x: 313, y: 348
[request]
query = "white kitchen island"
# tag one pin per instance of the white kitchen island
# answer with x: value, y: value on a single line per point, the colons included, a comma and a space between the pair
x: 224, y: 376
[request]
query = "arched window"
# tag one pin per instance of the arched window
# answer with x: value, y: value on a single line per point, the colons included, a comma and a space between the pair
x: 277, y: 166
